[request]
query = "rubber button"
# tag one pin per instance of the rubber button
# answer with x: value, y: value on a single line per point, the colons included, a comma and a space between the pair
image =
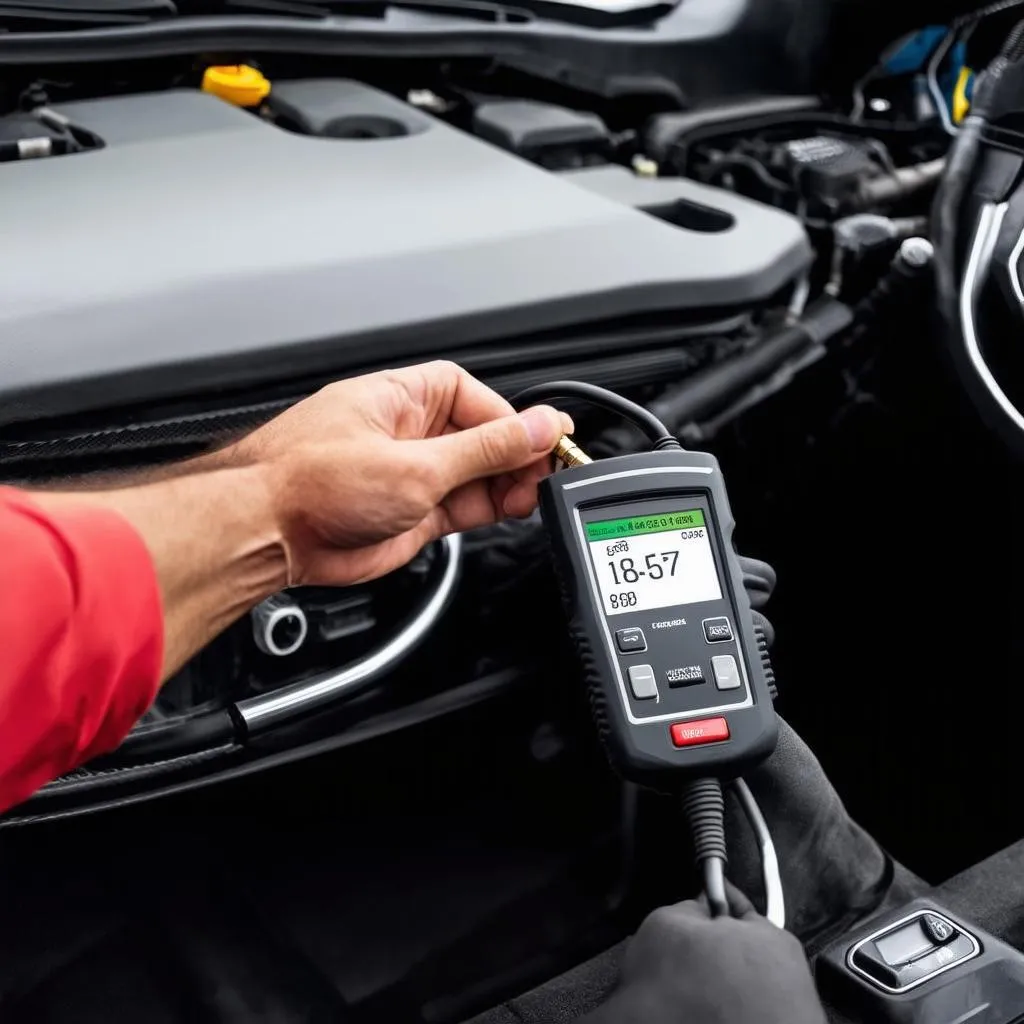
x: 717, y: 631
x: 727, y: 673
x: 705, y: 730
x: 631, y: 641
x: 642, y: 682
x: 939, y: 930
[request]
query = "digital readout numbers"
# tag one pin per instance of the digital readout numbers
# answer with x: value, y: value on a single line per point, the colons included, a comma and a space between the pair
x: 656, y: 569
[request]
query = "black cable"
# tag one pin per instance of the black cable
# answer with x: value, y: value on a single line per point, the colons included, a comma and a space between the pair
x: 709, y: 390
x: 643, y: 419
x: 728, y: 160
x: 714, y: 887
x: 704, y: 807
x: 910, y: 270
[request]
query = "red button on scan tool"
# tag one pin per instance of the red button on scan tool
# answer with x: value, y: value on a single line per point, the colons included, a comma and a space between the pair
x: 705, y: 730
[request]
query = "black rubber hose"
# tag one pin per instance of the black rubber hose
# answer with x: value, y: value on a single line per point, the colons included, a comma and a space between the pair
x: 1013, y: 48
x: 710, y: 390
x: 897, y: 286
x: 174, y: 738
x: 704, y: 807
x: 900, y: 184
x: 652, y: 427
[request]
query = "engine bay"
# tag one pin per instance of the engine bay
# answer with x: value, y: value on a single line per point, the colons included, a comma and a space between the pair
x: 754, y: 263
x: 341, y: 220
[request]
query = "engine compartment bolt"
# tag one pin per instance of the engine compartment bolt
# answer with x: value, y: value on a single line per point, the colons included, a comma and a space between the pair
x: 917, y: 252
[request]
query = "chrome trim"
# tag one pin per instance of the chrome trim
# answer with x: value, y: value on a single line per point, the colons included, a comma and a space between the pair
x: 978, y: 263
x: 267, y: 614
x: 892, y: 927
x: 637, y: 472
x: 1012, y: 270
x: 775, y: 900
x: 271, y: 709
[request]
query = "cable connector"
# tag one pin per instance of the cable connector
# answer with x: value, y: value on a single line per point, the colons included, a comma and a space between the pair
x: 570, y: 454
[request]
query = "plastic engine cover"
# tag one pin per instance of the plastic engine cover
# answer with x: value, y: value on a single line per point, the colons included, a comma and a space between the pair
x: 204, y: 245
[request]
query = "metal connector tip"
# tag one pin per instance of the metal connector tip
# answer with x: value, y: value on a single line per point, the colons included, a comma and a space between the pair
x: 570, y: 454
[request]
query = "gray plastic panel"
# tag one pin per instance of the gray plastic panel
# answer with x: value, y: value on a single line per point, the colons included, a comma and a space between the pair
x: 204, y: 247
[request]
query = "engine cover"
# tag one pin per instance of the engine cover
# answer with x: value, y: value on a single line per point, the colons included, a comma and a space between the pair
x: 205, y: 246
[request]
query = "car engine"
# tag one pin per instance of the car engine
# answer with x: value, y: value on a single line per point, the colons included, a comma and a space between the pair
x: 216, y: 262
x: 341, y: 231
x: 720, y: 218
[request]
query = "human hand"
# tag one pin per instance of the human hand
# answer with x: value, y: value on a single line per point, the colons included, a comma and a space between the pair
x: 367, y: 471
x: 685, y: 966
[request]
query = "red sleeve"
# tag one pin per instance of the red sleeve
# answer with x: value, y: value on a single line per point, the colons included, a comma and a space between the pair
x: 81, y: 639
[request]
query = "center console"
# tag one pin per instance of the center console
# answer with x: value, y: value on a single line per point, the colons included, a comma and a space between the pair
x: 922, y: 964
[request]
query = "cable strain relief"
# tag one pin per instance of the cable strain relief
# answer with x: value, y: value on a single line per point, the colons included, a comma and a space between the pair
x: 667, y: 443
x: 704, y: 807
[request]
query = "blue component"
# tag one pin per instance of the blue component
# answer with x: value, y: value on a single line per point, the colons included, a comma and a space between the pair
x: 949, y: 73
x: 911, y: 53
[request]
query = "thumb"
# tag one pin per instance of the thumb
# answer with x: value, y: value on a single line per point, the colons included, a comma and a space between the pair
x: 498, y: 446
x: 739, y: 905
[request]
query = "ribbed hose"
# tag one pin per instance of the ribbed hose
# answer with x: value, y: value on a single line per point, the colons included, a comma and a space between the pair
x: 704, y: 807
x: 1013, y: 48
x: 986, y: 12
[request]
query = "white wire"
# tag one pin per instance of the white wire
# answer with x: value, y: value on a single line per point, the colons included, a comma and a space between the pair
x: 932, y: 79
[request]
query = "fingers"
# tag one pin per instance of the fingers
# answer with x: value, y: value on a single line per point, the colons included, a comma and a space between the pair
x: 473, y: 505
x: 346, y: 566
x: 520, y: 498
x: 498, y: 446
x: 461, y: 399
x: 740, y: 906
x: 475, y: 403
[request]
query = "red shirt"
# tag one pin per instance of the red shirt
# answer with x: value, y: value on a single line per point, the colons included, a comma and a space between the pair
x: 81, y: 639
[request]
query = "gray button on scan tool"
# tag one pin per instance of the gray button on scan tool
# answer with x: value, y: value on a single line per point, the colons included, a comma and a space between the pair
x: 727, y: 673
x: 641, y: 682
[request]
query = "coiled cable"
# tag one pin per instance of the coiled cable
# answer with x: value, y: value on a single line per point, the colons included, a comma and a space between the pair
x: 704, y: 807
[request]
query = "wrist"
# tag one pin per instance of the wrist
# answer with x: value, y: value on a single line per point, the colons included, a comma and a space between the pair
x: 244, y: 534
x: 267, y: 528
x: 216, y: 547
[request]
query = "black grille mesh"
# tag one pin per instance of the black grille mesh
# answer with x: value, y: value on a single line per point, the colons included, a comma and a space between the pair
x: 191, y: 429
x: 132, y: 438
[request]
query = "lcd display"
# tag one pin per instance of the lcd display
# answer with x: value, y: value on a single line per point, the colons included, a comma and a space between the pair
x: 653, y: 561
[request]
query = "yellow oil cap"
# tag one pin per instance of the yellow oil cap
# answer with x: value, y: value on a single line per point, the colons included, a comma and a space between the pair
x: 236, y: 83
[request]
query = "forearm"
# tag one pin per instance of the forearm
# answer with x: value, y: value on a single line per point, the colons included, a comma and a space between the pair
x: 215, y: 545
